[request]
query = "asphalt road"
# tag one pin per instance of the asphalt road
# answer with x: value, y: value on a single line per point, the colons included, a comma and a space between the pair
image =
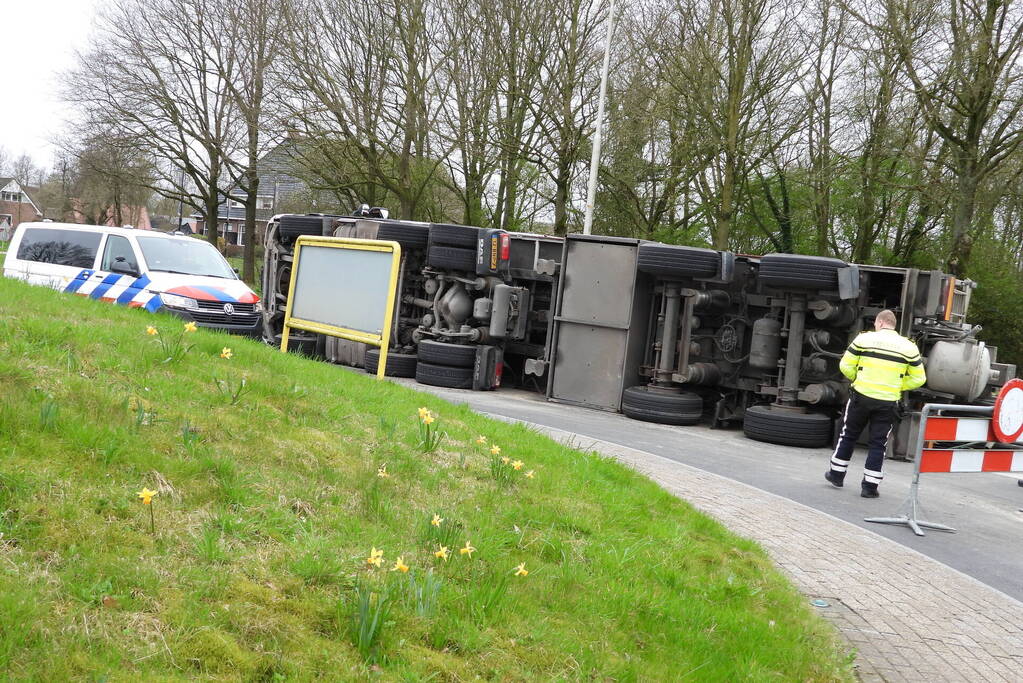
x: 986, y: 509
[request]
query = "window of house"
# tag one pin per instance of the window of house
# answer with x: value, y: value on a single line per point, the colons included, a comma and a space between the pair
x: 265, y: 203
x: 75, y: 248
x: 118, y: 247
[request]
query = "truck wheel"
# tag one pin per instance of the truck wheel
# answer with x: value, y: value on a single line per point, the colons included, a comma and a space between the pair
x: 674, y: 261
x: 398, y: 364
x: 786, y: 427
x: 449, y: 235
x: 796, y: 270
x: 291, y: 228
x: 444, y: 376
x: 651, y: 405
x: 451, y: 355
x: 408, y: 236
x: 452, y: 258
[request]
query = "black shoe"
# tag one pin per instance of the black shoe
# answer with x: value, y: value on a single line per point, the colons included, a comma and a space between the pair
x: 869, y: 493
x: 834, y: 479
x: 1020, y: 482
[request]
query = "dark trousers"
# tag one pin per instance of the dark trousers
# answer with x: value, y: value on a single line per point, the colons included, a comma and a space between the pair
x: 859, y: 412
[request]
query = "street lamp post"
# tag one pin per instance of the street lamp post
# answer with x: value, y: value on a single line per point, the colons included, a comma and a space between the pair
x: 591, y: 190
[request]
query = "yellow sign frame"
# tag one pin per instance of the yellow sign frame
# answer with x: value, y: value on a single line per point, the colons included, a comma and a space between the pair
x: 381, y: 340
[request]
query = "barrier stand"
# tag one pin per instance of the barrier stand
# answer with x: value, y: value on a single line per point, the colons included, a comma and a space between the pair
x: 1002, y: 424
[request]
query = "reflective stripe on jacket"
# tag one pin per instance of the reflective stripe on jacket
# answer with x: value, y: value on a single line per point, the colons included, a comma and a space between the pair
x: 883, y: 364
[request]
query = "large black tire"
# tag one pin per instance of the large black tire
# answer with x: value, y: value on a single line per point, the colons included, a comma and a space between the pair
x: 796, y: 270
x: 408, y: 236
x: 444, y: 376
x: 448, y: 235
x: 452, y: 355
x: 787, y: 427
x: 398, y: 364
x: 452, y: 258
x: 291, y: 228
x: 676, y: 262
x: 651, y: 405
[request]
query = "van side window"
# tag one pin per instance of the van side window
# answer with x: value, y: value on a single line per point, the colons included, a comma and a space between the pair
x: 75, y: 248
x: 118, y: 247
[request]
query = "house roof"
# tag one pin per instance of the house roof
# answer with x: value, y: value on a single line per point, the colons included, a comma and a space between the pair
x: 4, y: 182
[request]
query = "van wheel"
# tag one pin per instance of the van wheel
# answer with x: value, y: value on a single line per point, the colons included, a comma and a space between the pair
x: 796, y: 270
x: 444, y: 376
x: 665, y: 407
x: 452, y: 258
x: 673, y: 261
x: 452, y: 355
x: 408, y: 236
x: 786, y: 427
x: 449, y: 235
x: 398, y: 364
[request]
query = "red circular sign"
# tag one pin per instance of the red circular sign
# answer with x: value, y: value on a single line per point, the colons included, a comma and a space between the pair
x: 1007, y: 419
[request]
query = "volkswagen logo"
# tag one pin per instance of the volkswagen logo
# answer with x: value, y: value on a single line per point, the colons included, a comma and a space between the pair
x: 229, y: 309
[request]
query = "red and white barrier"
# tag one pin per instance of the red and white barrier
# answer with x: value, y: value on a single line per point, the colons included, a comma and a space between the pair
x: 967, y: 460
x: 940, y: 428
x: 973, y: 441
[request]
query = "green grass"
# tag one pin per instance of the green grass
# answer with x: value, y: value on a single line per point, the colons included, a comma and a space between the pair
x: 267, y: 510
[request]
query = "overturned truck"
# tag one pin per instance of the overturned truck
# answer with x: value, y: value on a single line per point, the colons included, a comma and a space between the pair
x: 678, y: 335
x: 662, y: 333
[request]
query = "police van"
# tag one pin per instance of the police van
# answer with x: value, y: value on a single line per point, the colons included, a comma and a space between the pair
x: 138, y: 268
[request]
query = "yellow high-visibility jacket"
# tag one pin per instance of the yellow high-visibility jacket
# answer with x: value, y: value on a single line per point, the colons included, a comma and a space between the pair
x: 883, y: 364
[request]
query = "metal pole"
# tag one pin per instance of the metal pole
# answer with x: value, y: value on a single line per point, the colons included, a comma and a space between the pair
x: 591, y: 190
x: 181, y: 198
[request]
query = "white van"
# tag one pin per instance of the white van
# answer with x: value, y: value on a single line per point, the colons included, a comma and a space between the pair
x: 139, y: 268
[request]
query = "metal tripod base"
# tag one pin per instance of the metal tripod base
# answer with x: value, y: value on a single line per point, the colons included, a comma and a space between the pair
x: 912, y: 523
x: 910, y: 516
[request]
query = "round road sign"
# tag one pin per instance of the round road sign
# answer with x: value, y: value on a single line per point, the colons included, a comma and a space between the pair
x: 1007, y: 419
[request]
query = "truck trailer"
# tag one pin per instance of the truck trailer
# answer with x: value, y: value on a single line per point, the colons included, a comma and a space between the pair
x: 663, y: 333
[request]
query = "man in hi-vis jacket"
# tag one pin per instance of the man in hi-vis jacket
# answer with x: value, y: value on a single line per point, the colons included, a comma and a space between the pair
x: 881, y: 365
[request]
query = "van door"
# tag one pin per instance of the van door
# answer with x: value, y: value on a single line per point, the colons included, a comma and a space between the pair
x: 120, y: 278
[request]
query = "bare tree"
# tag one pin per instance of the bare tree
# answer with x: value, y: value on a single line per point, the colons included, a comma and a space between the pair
x: 365, y: 105
x: 167, y: 96
x: 963, y: 61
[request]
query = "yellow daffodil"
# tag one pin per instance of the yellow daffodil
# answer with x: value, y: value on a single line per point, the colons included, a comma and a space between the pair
x: 481, y: 440
x: 505, y: 459
x: 151, y: 331
x: 517, y: 465
x: 495, y: 450
x: 226, y: 353
x: 428, y: 419
x: 437, y: 519
x: 400, y: 566
x: 382, y: 472
x: 423, y: 412
x: 521, y: 570
x: 146, y: 495
x: 190, y: 327
x: 529, y: 474
x: 467, y: 550
x: 376, y: 557
x: 442, y: 553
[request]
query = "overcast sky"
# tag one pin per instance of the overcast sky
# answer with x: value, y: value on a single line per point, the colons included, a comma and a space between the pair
x: 39, y: 39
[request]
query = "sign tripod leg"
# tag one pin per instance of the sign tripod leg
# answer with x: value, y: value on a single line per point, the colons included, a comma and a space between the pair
x: 911, y: 511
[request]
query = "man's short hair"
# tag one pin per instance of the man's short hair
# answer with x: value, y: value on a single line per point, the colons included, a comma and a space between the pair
x: 888, y: 318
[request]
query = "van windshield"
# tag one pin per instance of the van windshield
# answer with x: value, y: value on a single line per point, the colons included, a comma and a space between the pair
x: 189, y: 257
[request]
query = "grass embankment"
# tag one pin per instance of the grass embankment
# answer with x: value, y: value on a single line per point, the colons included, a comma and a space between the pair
x: 269, y: 505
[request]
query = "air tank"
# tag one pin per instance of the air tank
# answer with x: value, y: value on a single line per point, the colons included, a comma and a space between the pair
x: 765, y: 344
x: 962, y: 368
